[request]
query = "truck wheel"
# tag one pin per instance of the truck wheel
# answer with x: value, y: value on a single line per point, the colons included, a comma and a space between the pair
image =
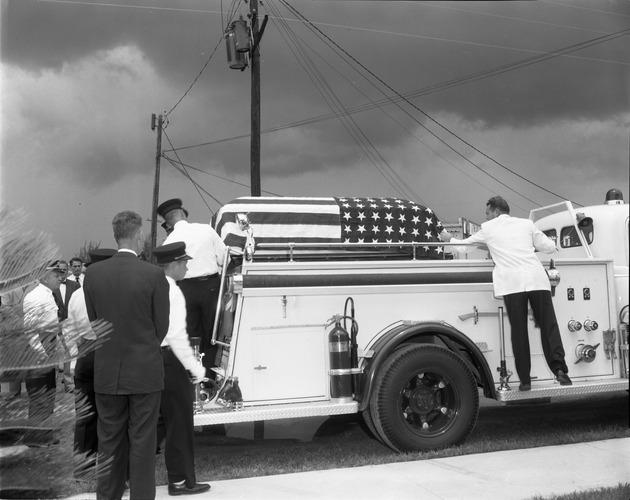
x: 425, y: 398
x: 369, y: 423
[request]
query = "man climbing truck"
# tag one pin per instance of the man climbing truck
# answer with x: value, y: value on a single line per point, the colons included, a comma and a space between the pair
x: 319, y: 315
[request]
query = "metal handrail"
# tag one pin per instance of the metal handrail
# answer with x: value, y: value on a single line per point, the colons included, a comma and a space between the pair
x: 217, y: 313
x: 572, y: 214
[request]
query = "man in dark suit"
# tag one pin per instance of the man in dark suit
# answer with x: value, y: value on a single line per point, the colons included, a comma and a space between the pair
x: 62, y: 297
x: 128, y: 368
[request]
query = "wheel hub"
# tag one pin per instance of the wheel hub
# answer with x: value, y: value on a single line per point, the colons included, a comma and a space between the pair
x: 422, y: 400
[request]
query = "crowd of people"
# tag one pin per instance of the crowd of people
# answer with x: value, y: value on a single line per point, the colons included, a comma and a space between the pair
x: 138, y: 383
x: 135, y: 389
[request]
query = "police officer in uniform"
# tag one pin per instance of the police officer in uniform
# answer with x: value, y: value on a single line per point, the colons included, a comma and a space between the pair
x: 176, y: 409
x: 200, y: 285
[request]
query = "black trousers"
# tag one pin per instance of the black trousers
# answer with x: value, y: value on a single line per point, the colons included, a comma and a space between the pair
x: 127, y: 443
x: 85, y: 426
x: 176, y: 424
x: 201, y: 305
x: 545, y: 316
x: 41, y: 389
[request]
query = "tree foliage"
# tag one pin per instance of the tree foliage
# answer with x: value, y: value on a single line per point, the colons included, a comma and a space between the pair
x: 27, y: 471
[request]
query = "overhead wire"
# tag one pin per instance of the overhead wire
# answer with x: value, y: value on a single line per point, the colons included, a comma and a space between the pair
x: 433, y: 120
x: 492, y: 72
x: 319, y: 81
x: 379, y: 104
x: 350, y: 59
x: 185, y: 172
x: 511, y: 18
x: 196, y: 78
x: 200, y: 170
x: 438, y: 87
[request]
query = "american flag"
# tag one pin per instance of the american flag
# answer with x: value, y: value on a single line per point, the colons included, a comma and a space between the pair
x: 333, y: 220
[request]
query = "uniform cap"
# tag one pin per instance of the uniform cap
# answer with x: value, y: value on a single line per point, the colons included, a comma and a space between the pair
x: 99, y: 254
x: 168, y: 206
x: 53, y: 265
x: 171, y: 252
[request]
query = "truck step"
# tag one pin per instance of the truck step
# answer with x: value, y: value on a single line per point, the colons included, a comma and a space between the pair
x: 554, y: 390
x: 214, y: 414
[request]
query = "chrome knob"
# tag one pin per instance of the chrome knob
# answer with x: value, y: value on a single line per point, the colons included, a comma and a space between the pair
x: 574, y: 326
x: 590, y: 325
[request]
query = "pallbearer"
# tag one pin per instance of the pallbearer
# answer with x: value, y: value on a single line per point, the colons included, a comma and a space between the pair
x: 180, y: 369
x: 200, y: 285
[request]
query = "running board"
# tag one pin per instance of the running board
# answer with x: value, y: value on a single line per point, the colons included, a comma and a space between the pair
x: 554, y: 390
x: 214, y: 414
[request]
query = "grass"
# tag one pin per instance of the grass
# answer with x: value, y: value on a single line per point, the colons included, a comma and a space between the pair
x: 619, y: 492
x: 343, y: 442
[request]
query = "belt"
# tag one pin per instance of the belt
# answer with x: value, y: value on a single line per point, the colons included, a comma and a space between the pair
x: 203, y: 278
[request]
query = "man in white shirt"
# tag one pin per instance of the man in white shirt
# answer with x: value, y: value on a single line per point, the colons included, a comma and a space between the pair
x: 77, y: 326
x: 200, y: 285
x: 41, y: 323
x: 63, y: 295
x: 76, y: 267
x: 176, y: 408
x: 519, y: 278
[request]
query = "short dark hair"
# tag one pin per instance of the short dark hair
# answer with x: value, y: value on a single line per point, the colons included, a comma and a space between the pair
x: 126, y: 224
x: 75, y: 259
x: 498, y: 203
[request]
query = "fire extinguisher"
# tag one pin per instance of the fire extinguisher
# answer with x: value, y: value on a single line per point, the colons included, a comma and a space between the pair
x: 340, y: 364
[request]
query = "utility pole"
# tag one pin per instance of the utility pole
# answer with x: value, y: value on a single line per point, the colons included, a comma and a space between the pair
x: 255, y: 103
x: 156, y: 185
x: 239, y: 40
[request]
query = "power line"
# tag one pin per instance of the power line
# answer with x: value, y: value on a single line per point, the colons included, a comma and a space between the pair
x: 353, y: 129
x: 196, y: 78
x: 438, y: 87
x: 143, y: 7
x: 232, y: 181
x: 352, y: 59
x: 190, y: 178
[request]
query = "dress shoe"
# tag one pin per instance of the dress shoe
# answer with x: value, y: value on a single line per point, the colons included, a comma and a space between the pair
x: 524, y: 386
x: 182, y: 489
x: 563, y: 378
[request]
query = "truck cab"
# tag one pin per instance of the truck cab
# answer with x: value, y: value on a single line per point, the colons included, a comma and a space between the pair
x: 592, y: 232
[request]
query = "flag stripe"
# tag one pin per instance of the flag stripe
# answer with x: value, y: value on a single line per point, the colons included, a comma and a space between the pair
x: 333, y: 220
x: 276, y: 220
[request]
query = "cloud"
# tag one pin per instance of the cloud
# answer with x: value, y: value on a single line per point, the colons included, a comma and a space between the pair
x: 83, y: 120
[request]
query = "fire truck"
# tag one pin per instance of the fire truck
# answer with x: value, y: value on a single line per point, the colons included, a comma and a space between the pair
x: 406, y: 337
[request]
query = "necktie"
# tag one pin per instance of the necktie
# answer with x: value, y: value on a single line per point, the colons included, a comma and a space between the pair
x: 59, y: 303
x: 78, y: 284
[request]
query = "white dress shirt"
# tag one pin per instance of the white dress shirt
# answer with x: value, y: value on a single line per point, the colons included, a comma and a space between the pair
x: 72, y: 277
x: 512, y: 243
x: 77, y: 325
x: 177, y: 337
x: 40, y: 312
x: 203, y: 244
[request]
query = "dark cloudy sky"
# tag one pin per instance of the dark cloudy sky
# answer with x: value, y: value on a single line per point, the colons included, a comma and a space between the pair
x: 448, y: 103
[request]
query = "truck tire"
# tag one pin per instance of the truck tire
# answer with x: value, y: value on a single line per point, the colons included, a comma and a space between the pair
x: 369, y: 423
x: 425, y: 397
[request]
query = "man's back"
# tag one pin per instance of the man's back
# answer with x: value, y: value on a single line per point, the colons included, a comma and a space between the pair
x: 133, y: 296
x: 203, y: 244
x: 513, y: 243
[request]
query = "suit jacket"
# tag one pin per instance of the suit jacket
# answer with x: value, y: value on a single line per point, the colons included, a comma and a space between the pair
x: 62, y: 302
x: 133, y: 296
